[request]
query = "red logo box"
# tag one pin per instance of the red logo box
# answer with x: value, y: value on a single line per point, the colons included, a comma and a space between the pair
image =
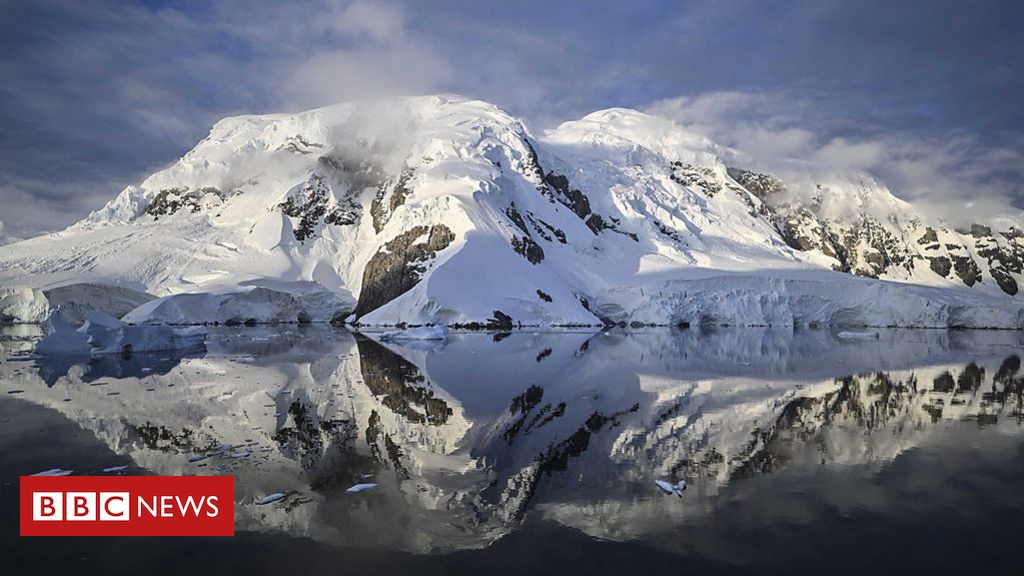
x: 127, y: 506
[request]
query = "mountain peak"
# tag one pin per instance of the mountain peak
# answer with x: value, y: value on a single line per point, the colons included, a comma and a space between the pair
x: 443, y: 209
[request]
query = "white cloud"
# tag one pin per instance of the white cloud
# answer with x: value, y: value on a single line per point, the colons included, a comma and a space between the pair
x: 856, y: 155
x: 338, y: 75
x: 381, y: 22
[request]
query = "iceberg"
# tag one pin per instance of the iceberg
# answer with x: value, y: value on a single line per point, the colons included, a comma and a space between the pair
x: 22, y: 305
x: 104, y: 334
x: 63, y: 340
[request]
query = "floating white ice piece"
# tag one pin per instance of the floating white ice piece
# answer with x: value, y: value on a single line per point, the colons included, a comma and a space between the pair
x: 847, y: 335
x: 115, y: 469
x: 270, y: 498
x: 53, y: 472
x: 361, y: 487
x: 670, y: 488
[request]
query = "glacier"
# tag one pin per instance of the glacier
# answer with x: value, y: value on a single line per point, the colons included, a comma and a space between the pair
x: 447, y: 211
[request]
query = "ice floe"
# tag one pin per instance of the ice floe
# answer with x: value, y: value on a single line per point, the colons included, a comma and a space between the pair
x: 271, y: 498
x: 360, y: 487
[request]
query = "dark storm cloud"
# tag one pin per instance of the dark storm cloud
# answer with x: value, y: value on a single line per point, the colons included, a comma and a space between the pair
x: 925, y: 95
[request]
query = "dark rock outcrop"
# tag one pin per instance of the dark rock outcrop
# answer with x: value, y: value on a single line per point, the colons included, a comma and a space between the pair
x: 394, y: 270
x: 170, y: 200
x: 314, y: 205
x: 389, y: 197
x: 527, y: 248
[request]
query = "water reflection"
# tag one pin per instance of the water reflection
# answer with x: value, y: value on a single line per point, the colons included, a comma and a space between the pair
x: 468, y: 438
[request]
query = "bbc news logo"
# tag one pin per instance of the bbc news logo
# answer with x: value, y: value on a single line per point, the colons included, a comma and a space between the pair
x: 127, y: 506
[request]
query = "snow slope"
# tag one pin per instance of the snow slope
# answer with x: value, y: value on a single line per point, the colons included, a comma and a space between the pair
x: 442, y: 209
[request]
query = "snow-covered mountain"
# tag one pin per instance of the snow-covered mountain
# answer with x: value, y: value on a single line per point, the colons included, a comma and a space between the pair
x: 441, y: 209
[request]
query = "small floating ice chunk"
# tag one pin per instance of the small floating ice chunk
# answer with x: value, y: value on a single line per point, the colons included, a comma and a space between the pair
x: 849, y: 335
x: 115, y: 469
x: 270, y: 498
x: 670, y: 488
x: 361, y: 487
x: 421, y: 333
x: 680, y: 487
x: 53, y: 472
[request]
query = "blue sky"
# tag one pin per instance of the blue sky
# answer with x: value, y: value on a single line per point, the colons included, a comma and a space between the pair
x: 924, y: 95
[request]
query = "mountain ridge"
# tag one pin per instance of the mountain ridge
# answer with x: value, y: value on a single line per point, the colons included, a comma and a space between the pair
x: 443, y: 209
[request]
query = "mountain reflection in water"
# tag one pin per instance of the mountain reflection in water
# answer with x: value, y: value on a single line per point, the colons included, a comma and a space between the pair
x: 470, y: 439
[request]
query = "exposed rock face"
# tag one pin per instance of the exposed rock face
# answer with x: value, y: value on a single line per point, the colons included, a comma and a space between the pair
x: 313, y: 204
x: 558, y: 188
x: 396, y: 269
x: 170, y: 200
x: 527, y: 248
x: 390, y: 195
x: 940, y: 265
x: 863, y: 246
x: 798, y: 226
x: 699, y: 176
x: 1004, y: 256
x: 871, y: 247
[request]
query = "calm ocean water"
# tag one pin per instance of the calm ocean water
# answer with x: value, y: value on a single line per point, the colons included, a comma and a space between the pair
x: 505, y: 453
